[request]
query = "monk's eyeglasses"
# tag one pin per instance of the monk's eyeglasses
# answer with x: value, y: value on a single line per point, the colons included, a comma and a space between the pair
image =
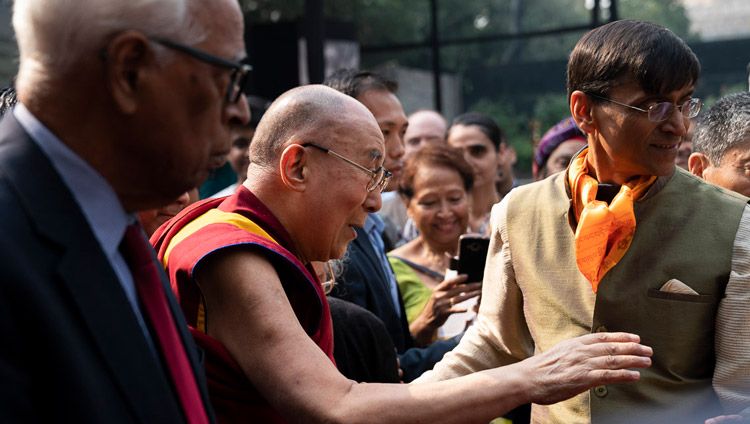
x: 378, y: 178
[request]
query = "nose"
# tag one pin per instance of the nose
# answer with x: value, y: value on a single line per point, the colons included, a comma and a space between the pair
x: 237, y: 113
x: 395, y: 147
x: 468, y: 158
x: 183, y: 199
x: 444, y: 209
x: 677, y: 123
x: 373, y: 201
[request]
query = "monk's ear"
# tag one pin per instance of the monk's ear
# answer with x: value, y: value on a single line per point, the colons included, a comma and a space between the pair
x: 294, y: 167
x: 130, y: 60
x: 581, y: 110
x: 698, y: 163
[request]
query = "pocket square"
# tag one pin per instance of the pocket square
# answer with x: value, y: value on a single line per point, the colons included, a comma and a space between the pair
x: 677, y: 286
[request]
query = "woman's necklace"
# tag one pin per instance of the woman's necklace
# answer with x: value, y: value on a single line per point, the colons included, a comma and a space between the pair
x: 437, y: 262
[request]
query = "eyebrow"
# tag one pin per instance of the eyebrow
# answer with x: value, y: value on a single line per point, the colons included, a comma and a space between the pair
x: 663, y: 97
x: 393, y: 123
x: 376, y: 156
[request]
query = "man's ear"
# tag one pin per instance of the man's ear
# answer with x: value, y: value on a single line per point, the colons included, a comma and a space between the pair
x: 293, y: 167
x: 580, y: 109
x: 698, y: 163
x: 500, y: 156
x: 127, y: 58
x: 511, y: 154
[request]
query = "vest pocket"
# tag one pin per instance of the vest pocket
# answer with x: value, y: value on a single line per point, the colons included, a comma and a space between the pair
x: 681, y: 328
x: 680, y: 297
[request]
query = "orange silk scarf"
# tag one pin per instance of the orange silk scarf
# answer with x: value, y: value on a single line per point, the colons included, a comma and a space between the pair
x: 604, y: 232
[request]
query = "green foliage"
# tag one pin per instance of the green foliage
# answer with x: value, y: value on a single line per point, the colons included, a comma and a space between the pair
x: 515, y: 125
x: 725, y: 89
x: 549, y: 110
x: 667, y: 13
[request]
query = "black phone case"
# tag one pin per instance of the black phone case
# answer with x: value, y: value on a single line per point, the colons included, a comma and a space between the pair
x: 472, y: 255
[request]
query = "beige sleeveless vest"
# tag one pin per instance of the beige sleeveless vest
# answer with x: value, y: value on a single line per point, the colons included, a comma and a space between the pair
x: 685, y: 231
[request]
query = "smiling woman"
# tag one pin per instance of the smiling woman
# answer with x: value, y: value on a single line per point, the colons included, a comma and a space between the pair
x: 435, y: 189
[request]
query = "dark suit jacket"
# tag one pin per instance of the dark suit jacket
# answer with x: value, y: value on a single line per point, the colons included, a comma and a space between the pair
x: 362, y: 347
x: 71, y: 349
x: 365, y: 284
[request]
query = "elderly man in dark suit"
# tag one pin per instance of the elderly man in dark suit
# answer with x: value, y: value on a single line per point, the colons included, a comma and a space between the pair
x: 123, y: 106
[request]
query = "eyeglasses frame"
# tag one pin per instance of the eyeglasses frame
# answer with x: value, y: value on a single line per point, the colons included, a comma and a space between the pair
x: 648, y: 111
x: 240, y: 71
x: 373, y: 174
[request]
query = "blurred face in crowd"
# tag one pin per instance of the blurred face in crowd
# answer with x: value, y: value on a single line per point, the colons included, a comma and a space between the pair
x: 425, y: 127
x: 506, y: 159
x: 478, y: 151
x: 686, y: 147
x: 238, y: 150
x: 391, y: 119
x: 440, y: 205
x: 733, y: 172
x: 560, y: 158
x: 627, y: 143
x: 152, y: 219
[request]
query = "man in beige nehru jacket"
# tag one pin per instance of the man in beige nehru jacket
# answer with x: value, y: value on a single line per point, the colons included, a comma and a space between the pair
x: 624, y: 241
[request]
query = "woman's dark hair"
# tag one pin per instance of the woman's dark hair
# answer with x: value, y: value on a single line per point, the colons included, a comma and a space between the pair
x: 438, y: 156
x: 631, y: 51
x: 485, y: 124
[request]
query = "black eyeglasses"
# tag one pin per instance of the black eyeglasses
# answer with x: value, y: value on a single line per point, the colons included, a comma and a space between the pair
x: 378, y: 178
x: 240, y: 71
x: 660, y: 112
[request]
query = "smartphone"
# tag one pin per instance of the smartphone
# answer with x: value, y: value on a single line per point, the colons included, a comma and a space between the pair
x: 472, y: 254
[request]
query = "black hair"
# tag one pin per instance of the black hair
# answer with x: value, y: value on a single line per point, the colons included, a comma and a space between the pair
x: 485, y: 124
x: 353, y: 82
x: 631, y: 51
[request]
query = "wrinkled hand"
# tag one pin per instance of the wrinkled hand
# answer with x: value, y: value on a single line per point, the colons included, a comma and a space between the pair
x: 439, y: 307
x: 576, y: 365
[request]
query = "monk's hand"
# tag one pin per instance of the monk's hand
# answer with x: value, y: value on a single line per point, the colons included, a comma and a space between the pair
x: 576, y: 365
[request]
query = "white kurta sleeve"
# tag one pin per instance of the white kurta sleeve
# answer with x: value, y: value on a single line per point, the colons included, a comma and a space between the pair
x: 732, y: 373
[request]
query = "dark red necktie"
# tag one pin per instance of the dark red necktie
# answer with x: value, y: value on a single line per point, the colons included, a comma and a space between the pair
x: 148, y: 284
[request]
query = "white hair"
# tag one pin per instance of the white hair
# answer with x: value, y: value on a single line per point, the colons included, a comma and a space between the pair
x: 53, y: 35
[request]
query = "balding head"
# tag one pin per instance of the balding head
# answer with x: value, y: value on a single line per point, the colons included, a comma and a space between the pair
x: 305, y: 113
x: 425, y: 127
